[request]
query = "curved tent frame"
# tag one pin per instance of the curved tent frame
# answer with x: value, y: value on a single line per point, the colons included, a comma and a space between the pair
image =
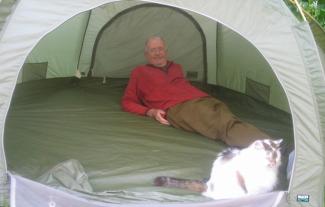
x: 151, y: 5
x: 286, y: 44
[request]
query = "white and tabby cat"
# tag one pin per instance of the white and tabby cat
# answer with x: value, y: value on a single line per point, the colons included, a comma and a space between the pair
x: 237, y: 172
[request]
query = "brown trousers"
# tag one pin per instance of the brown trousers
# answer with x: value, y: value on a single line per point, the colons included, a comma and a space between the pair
x: 212, y: 118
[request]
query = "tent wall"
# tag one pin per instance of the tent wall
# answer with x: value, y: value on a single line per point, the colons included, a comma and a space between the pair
x: 315, y: 73
x: 122, y: 52
x: 5, y: 10
x: 268, y: 25
x: 241, y: 66
x: 28, y: 189
x: 99, y: 17
x: 119, y: 46
x: 319, y: 35
x: 61, y: 48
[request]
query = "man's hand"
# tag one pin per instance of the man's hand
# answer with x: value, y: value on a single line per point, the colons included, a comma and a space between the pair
x: 159, y: 115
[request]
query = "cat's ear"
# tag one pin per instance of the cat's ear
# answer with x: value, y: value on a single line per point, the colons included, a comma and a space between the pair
x: 278, y: 142
x: 258, y: 144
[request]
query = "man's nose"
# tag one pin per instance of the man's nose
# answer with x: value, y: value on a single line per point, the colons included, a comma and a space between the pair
x: 157, y: 52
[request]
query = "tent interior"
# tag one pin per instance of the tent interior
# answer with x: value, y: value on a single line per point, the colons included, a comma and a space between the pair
x: 65, y: 127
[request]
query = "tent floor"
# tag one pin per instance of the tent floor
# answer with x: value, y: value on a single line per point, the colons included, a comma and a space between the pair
x: 55, y: 120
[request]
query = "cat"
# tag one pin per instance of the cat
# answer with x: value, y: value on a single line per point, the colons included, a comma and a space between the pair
x: 236, y: 172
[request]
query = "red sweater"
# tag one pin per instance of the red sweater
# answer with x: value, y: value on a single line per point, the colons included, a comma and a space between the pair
x: 151, y: 87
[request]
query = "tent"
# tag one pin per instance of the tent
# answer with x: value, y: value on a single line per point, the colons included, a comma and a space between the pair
x: 258, y: 48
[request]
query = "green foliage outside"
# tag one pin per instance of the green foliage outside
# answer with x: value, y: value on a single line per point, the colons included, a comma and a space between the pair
x: 313, y: 8
x: 316, y: 8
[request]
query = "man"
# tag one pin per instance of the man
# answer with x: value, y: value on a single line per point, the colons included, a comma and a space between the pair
x: 160, y: 90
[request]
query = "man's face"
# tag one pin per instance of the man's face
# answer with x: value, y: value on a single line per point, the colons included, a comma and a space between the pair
x: 156, y: 53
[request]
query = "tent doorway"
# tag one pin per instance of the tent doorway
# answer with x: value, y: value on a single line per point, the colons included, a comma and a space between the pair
x: 119, y: 44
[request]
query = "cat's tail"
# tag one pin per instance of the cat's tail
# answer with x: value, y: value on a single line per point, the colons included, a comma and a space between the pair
x: 193, y: 185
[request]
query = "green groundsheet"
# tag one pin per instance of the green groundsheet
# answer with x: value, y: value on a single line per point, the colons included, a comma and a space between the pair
x: 55, y: 120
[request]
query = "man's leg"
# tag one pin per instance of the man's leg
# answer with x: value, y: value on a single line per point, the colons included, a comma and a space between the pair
x: 212, y: 118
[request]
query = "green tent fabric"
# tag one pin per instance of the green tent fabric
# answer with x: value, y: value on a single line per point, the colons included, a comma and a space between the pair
x: 257, y: 48
x: 73, y: 135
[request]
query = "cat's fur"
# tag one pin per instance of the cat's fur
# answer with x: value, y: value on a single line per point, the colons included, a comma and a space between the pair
x: 237, y: 172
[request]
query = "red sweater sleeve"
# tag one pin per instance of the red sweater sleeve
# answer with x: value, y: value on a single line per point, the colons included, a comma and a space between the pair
x: 131, y: 100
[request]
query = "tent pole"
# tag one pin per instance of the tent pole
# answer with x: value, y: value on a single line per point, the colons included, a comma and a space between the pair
x: 217, y: 52
x: 300, y: 10
x: 83, y: 40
